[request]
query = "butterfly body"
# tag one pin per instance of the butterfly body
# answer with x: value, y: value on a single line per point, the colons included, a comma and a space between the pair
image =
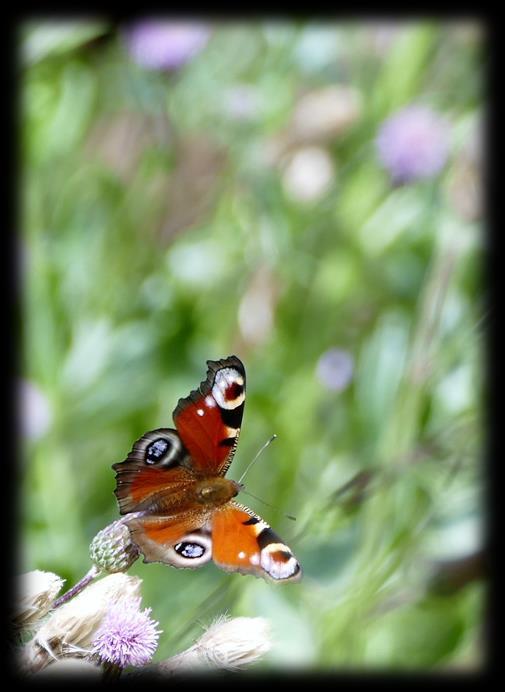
x: 213, y: 492
x: 179, y: 506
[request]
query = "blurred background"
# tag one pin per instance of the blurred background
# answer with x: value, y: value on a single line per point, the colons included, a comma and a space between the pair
x: 304, y: 195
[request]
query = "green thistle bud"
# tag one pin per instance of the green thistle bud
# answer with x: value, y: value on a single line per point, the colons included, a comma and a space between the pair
x: 112, y: 549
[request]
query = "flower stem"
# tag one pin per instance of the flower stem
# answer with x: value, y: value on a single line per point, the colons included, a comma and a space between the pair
x: 111, y: 671
x: 77, y: 588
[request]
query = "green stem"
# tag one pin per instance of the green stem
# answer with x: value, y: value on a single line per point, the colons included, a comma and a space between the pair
x: 111, y: 672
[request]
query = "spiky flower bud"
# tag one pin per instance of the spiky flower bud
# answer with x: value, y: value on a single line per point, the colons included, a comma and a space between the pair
x: 112, y: 549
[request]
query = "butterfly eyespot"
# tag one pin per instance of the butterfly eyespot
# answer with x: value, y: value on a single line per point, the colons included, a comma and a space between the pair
x: 229, y: 389
x: 190, y: 551
x: 156, y: 450
x: 162, y: 450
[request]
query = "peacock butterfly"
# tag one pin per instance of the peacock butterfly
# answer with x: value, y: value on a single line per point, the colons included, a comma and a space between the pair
x: 179, y: 507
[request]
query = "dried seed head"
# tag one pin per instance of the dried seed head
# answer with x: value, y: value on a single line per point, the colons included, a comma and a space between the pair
x: 70, y: 628
x: 235, y: 642
x: 227, y: 643
x: 37, y: 591
x: 323, y: 114
x: 112, y: 549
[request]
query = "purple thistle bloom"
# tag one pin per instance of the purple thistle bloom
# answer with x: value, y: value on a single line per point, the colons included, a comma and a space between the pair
x: 413, y: 144
x: 335, y: 369
x: 127, y: 635
x: 165, y: 45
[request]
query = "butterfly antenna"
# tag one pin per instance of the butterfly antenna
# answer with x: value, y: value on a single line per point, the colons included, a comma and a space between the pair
x: 267, y: 443
x: 288, y: 516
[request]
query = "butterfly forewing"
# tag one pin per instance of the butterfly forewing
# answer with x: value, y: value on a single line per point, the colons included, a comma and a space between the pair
x: 209, y: 419
x: 152, y: 477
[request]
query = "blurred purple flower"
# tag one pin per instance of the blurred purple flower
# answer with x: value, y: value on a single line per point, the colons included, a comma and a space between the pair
x: 413, y: 144
x: 335, y: 369
x: 165, y: 45
x: 127, y: 635
x: 34, y: 410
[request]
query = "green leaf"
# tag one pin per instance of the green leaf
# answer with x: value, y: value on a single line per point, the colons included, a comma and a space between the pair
x: 49, y: 38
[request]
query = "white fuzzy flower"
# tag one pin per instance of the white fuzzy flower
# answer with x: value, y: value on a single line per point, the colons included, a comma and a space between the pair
x: 37, y: 591
x: 70, y: 628
x: 235, y: 642
x: 308, y: 174
x: 325, y: 113
x: 228, y: 643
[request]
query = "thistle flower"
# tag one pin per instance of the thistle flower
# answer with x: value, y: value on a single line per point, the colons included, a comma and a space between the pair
x: 112, y: 549
x: 228, y: 643
x: 413, y: 144
x: 165, y: 45
x: 127, y: 635
x: 37, y: 591
x: 335, y: 369
x: 69, y: 630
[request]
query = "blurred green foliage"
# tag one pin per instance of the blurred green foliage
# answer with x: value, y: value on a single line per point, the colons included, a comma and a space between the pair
x: 158, y: 231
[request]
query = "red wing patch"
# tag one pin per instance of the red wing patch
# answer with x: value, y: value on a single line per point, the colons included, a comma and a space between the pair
x: 209, y: 419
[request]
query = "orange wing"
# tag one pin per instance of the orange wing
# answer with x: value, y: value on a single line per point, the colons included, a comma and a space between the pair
x: 182, y: 541
x: 243, y: 542
x: 236, y: 539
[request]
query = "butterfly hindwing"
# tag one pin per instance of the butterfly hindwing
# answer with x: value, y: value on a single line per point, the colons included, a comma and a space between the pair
x: 181, y: 541
x: 234, y: 537
x: 243, y: 542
